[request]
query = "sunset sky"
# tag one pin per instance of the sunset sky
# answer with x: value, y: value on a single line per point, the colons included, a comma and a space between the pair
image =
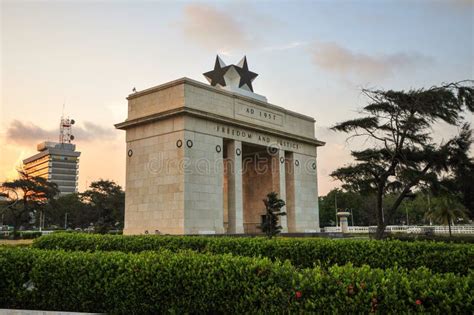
x: 312, y: 57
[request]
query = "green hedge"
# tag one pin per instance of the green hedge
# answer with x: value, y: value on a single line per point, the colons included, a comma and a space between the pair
x: 457, y: 238
x: 188, y: 282
x: 439, y: 257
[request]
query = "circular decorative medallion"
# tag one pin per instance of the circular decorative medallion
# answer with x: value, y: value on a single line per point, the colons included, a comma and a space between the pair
x: 282, y: 160
x: 238, y: 152
x: 179, y: 143
x: 130, y: 152
x: 218, y: 148
x: 273, y: 150
x: 297, y: 163
x: 189, y: 143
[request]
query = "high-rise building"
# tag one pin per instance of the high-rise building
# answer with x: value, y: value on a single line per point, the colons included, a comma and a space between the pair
x: 57, y: 162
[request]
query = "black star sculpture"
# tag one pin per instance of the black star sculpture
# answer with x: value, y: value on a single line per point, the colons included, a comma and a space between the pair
x: 216, y: 76
x: 246, y: 76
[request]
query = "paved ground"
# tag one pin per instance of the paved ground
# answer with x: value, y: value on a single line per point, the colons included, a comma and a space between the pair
x: 15, y: 243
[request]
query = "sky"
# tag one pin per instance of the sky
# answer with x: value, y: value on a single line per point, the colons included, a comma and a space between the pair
x: 84, y: 57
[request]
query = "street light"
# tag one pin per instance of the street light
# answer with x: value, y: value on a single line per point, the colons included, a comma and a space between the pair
x: 406, y: 210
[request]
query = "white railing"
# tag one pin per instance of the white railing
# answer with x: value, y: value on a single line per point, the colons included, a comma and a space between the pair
x: 437, y: 229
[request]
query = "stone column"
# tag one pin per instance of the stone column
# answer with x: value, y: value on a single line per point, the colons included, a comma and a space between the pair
x: 290, y: 192
x: 306, y: 208
x: 234, y: 178
x: 279, y: 183
x: 343, y: 221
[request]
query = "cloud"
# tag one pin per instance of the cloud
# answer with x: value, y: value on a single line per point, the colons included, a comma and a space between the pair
x: 23, y: 133
x: 215, y: 29
x: 285, y: 46
x: 30, y: 134
x: 462, y: 4
x: 335, y: 58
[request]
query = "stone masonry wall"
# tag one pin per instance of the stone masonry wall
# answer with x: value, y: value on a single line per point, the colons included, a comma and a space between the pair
x: 203, y: 184
x: 155, y: 184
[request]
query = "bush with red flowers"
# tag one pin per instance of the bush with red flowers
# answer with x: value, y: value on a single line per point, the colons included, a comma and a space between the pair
x: 188, y: 282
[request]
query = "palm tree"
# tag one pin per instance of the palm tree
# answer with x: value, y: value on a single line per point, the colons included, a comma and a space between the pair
x: 34, y: 192
x: 445, y: 211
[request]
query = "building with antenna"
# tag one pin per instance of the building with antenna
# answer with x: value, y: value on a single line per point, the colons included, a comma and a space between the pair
x: 57, y: 162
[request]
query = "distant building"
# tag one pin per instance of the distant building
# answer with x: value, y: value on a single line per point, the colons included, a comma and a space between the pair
x: 56, y: 162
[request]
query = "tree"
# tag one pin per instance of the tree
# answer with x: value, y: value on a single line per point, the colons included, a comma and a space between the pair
x: 463, y: 178
x: 79, y: 215
x: 356, y: 203
x: 460, y: 183
x: 327, y: 210
x: 34, y: 194
x: 270, y: 225
x: 446, y: 211
x: 412, y: 210
x: 403, y: 155
x: 106, y: 200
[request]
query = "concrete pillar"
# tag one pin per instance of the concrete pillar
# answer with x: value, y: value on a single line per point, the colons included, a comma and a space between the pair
x: 279, y: 183
x: 343, y: 221
x: 290, y: 192
x: 234, y: 178
x: 305, y: 197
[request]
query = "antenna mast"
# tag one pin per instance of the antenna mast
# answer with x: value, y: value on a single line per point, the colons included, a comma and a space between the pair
x: 65, y: 130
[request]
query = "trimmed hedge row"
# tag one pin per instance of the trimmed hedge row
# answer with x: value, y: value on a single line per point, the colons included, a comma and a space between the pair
x: 188, y: 282
x: 303, y: 253
x: 457, y: 238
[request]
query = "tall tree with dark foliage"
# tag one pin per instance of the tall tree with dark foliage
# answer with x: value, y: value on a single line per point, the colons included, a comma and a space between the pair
x: 403, y: 154
x: 107, y: 200
x: 33, y: 193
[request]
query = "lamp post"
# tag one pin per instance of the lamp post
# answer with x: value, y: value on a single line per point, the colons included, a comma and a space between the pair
x: 429, y: 208
x: 406, y: 211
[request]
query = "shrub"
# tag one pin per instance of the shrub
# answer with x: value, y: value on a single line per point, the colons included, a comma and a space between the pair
x: 456, y: 238
x: 189, y: 282
x: 270, y: 225
x: 303, y: 253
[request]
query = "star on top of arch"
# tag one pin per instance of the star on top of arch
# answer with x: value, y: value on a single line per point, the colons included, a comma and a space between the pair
x: 216, y: 76
x: 246, y: 76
